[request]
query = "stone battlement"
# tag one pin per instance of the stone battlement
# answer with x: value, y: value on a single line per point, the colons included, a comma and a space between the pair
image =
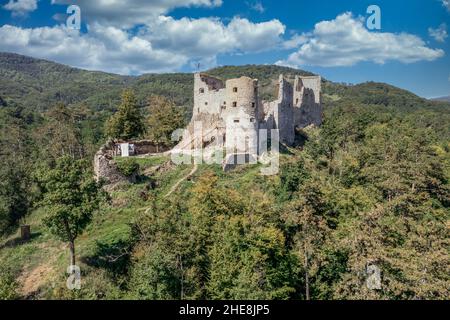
x: 233, y: 110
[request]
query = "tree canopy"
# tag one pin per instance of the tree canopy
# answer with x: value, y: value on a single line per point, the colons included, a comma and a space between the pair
x: 71, y: 196
x: 127, y: 123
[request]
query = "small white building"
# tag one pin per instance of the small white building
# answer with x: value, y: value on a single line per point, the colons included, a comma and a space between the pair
x: 126, y: 149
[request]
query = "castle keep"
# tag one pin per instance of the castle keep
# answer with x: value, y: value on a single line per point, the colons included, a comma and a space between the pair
x: 231, y: 113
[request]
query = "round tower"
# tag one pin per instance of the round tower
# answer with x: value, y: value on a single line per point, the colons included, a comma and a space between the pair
x: 240, y: 111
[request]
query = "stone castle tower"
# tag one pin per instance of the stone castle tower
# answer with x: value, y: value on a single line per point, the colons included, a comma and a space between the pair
x: 231, y: 113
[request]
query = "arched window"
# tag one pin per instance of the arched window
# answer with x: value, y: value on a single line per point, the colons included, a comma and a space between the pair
x: 202, y: 90
x: 235, y: 89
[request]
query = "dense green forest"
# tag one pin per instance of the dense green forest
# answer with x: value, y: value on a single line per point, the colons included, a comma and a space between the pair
x: 369, y: 188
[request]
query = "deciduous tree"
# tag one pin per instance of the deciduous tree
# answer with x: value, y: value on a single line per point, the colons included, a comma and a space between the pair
x: 164, y: 119
x: 71, y: 196
x: 127, y: 123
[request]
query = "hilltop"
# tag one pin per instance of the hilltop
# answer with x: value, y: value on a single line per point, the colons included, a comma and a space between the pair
x: 369, y: 188
x: 39, y: 84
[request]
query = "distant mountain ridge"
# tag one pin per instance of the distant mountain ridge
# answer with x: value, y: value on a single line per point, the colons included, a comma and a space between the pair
x: 39, y: 84
x: 443, y: 99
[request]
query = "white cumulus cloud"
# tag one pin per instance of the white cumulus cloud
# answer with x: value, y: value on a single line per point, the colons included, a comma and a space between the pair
x: 21, y: 7
x: 165, y: 44
x: 138, y: 36
x: 439, y: 34
x: 295, y: 41
x: 345, y: 41
x: 126, y: 14
x: 209, y: 36
x: 257, y: 6
x: 103, y: 48
x: 446, y: 3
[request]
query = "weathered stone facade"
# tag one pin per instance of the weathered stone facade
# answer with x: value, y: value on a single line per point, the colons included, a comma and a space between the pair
x: 105, y: 168
x: 231, y: 113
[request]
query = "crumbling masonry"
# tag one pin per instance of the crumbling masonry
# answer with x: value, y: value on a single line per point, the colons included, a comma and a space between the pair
x: 231, y: 114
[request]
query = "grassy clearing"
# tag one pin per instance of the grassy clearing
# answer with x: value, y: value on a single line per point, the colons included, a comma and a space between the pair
x: 146, y: 162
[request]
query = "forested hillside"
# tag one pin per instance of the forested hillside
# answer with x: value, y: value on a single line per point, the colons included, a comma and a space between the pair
x: 369, y: 188
x: 40, y: 84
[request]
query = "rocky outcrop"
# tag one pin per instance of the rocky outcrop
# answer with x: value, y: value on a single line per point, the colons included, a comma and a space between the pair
x: 105, y: 168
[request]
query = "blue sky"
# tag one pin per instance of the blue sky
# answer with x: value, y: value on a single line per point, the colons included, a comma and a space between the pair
x: 327, y: 37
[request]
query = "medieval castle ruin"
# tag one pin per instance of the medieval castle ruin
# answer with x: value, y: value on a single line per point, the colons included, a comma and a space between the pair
x: 231, y: 114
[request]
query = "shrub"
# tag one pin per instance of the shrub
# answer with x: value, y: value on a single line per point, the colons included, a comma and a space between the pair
x: 128, y: 167
x: 8, y: 284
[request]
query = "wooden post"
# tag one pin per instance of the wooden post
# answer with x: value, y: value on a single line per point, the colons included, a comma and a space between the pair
x: 25, y: 232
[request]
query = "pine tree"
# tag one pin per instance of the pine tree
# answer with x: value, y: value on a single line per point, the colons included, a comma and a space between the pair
x: 164, y: 119
x: 127, y: 123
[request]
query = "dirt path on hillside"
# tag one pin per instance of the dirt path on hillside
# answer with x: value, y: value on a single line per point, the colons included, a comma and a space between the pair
x: 31, y: 281
x: 176, y: 185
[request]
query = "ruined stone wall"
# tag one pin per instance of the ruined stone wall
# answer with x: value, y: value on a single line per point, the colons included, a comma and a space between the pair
x: 201, y: 131
x: 284, y: 115
x: 143, y: 147
x: 234, y: 112
x: 315, y: 84
x: 307, y: 101
x: 280, y: 113
x: 209, y: 94
x: 105, y: 168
